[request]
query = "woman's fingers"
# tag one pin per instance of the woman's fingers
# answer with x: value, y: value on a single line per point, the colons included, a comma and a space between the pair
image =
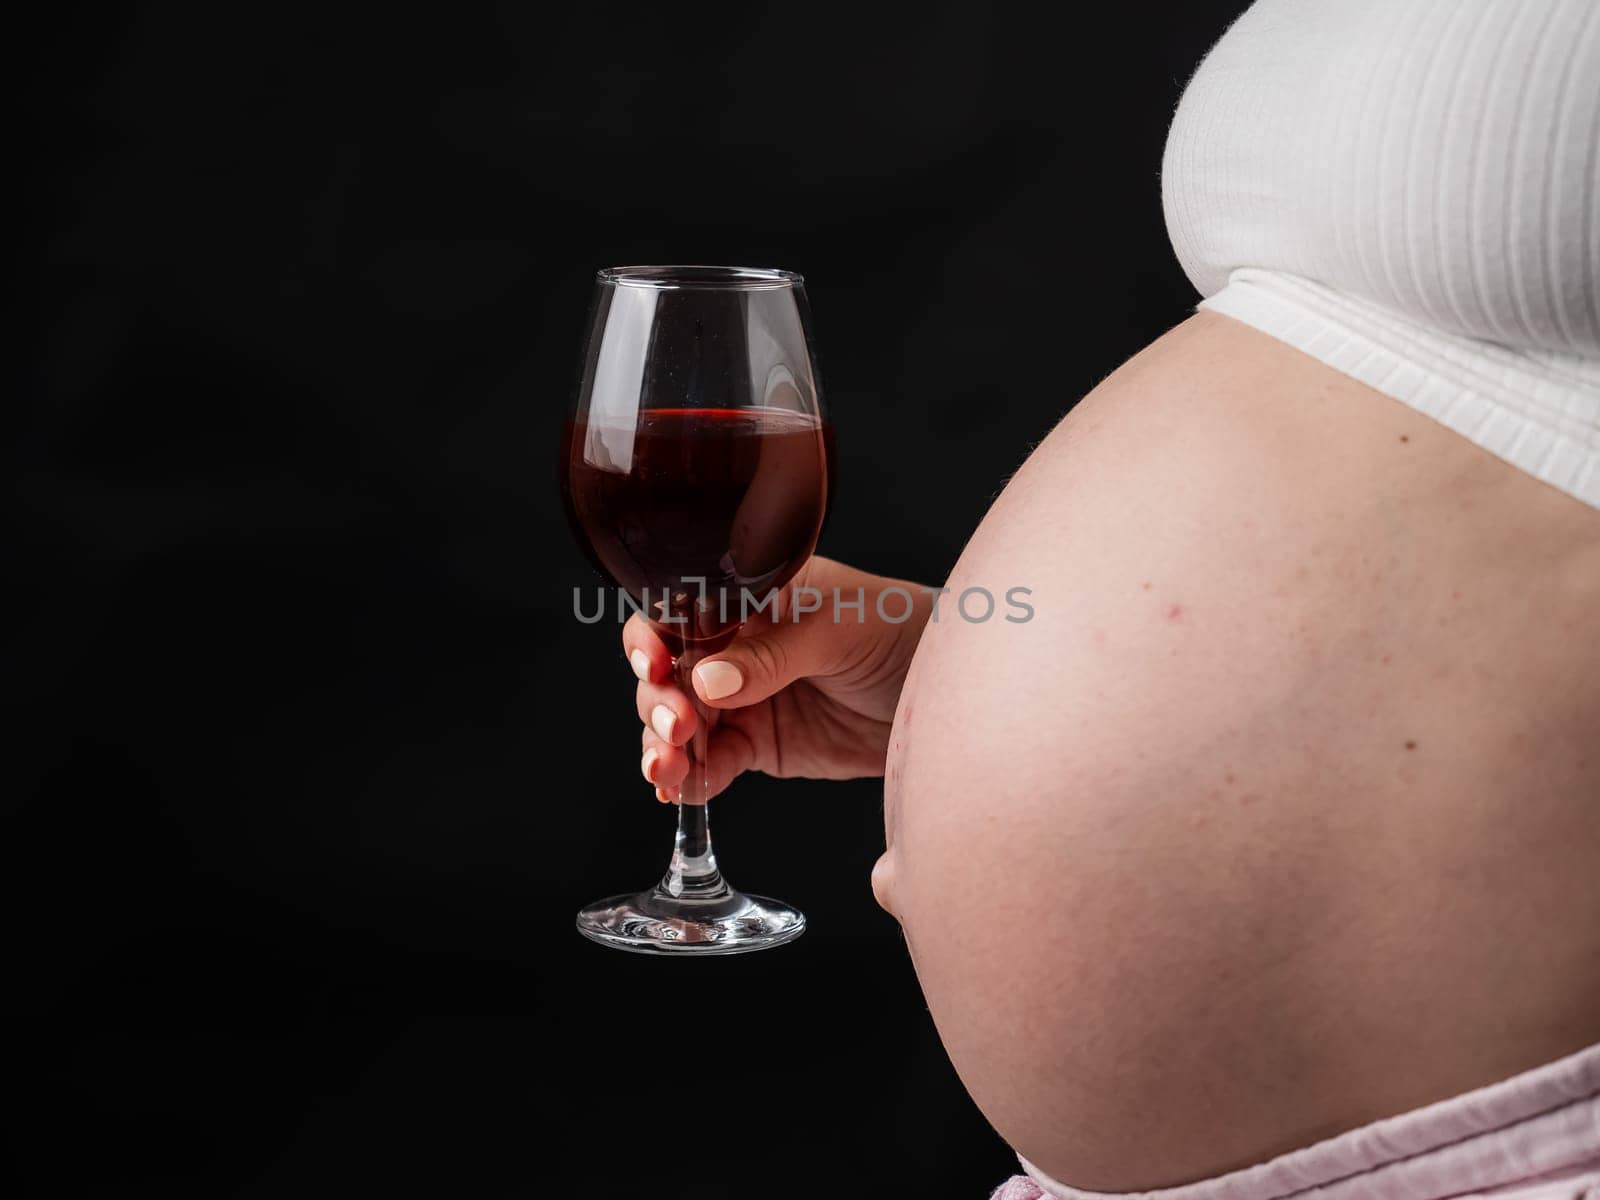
x: 747, y: 672
x: 666, y: 766
x: 647, y: 654
x: 662, y: 763
x: 666, y: 710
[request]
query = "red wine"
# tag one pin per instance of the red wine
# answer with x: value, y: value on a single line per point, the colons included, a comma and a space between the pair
x: 733, y: 496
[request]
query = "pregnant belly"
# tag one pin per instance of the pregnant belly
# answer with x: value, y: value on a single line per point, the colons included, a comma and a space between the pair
x: 1279, y: 814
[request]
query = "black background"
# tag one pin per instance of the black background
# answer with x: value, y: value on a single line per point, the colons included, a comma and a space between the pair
x: 311, y: 763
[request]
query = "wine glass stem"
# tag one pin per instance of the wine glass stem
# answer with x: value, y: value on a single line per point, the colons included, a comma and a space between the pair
x: 693, y: 873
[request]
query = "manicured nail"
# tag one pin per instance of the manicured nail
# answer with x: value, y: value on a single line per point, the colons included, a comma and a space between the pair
x: 663, y: 720
x: 719, y: 679
x: 648, y: 763
x: 662, y: 797
x: 641, y: 664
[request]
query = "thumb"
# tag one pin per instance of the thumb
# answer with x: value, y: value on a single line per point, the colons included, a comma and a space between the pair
x: 753, y: 667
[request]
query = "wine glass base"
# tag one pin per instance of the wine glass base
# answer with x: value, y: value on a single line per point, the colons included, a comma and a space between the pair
x: 655, y: 923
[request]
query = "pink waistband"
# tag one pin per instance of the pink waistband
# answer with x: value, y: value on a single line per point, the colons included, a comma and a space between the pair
x: 1534, y: 1135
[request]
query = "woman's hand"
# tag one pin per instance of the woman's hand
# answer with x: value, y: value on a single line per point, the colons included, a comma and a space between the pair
x: 812, y: 695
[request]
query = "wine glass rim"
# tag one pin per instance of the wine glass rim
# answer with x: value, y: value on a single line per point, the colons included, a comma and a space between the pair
x: 696, y: 276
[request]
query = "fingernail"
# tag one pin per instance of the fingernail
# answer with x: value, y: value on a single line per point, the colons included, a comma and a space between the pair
x: 663, y: 720
x: 719, y: 679
x: 662, y: 797
x: 648, y: 763
x: 641, y: 664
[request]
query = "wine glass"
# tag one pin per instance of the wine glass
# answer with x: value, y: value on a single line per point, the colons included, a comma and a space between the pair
x: 695, y: 470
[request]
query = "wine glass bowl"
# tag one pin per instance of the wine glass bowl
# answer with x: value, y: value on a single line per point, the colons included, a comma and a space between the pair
x: 695, y: 472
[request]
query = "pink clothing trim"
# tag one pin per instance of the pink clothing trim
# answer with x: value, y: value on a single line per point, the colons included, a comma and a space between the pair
x: 1535, y: 1136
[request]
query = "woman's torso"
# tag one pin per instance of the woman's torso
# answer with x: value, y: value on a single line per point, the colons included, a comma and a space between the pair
x: 1282, y: 814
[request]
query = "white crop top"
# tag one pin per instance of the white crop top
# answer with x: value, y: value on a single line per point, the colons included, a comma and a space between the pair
x: 1409, y: 191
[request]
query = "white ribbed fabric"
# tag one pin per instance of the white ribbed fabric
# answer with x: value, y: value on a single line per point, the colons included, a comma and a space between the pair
x: 1409, y: 190
x: 1535, y: 1136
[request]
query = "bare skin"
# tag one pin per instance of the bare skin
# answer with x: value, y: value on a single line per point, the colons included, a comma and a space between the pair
x: 1283, y: 813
